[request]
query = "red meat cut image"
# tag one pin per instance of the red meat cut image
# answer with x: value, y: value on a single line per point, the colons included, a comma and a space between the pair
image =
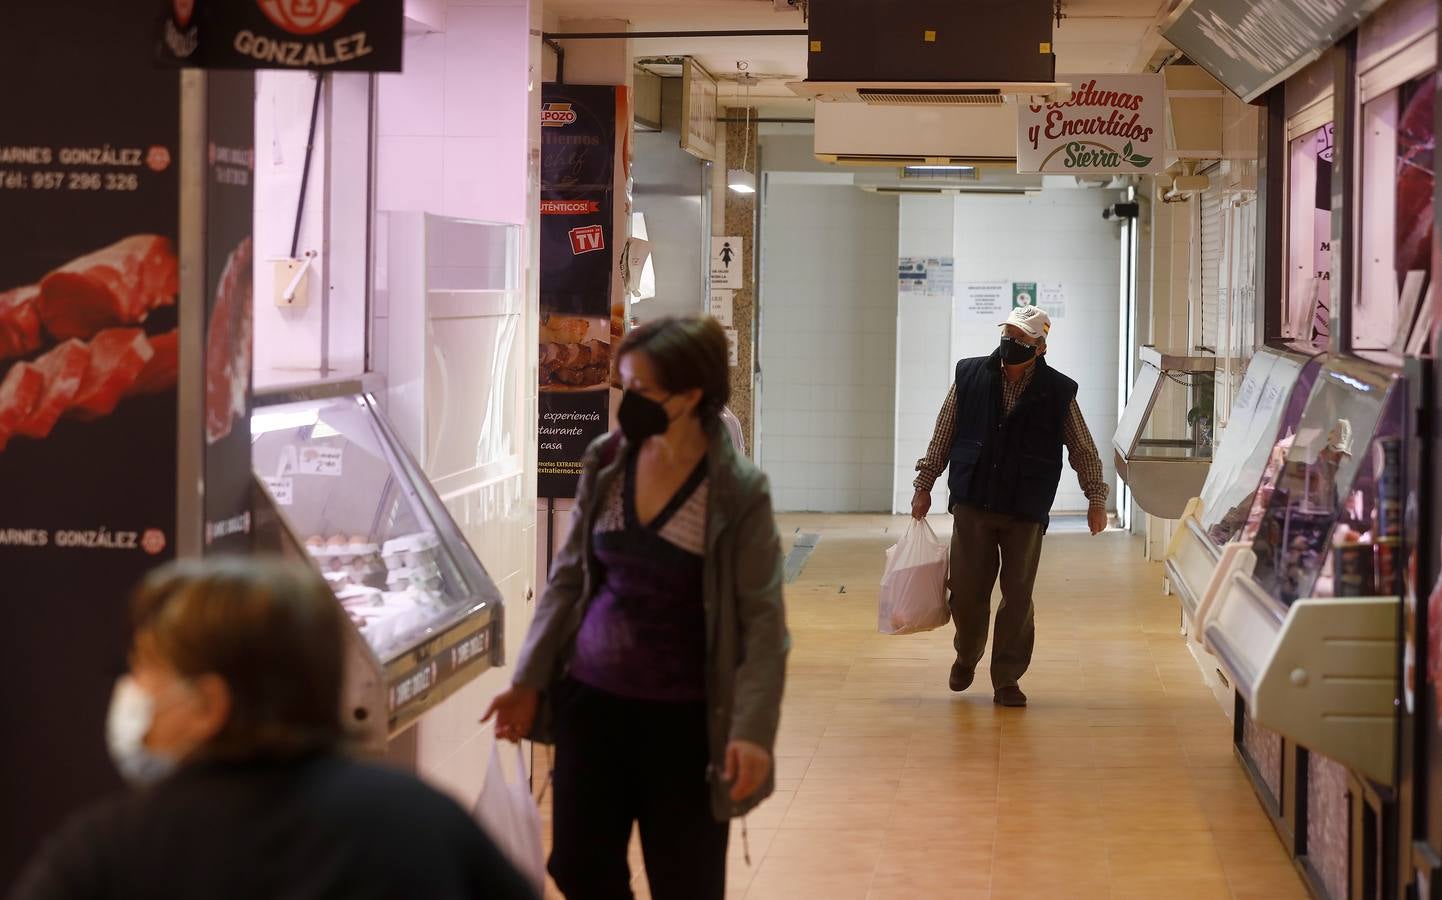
x: 64, y: 370
x: 227, y: 347
x: 91, y: 365
x: 162, y: 370
x: 1416, y: 147
x: 117, y: 357
x: 19, y: 322
x: 118, y: 285
x: 20, y: 390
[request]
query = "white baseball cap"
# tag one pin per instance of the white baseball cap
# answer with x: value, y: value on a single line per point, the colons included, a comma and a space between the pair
x: 1030, y: 319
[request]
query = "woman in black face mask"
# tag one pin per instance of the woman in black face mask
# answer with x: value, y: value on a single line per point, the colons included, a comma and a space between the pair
x: 659, y: 646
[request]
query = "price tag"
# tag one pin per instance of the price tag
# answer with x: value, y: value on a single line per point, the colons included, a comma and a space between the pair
x: 282, y: 489
x: 320, y: 460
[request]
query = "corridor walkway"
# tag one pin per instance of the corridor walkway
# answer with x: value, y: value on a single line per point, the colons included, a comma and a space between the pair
x: 1117, y: 782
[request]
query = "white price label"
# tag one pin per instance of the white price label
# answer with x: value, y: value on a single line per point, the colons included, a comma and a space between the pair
x: 282, y: 489
x: 321, y: 460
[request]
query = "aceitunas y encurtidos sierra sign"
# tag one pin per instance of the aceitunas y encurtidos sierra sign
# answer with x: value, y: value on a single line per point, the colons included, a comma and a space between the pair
x: 1111, y: 125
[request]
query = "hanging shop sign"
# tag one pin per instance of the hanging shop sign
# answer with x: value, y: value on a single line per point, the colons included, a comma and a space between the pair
x: 1253, y: 45
x: 579, y: 274
x: 698, y: 111
x: 1111, y: 125
x: 340, y: 35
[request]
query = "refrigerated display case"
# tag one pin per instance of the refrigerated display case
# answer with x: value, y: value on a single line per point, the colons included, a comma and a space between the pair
x: 348, y: 496
x: 1265, y: 414
x: 1163, y: 441
x: 1307, y: 633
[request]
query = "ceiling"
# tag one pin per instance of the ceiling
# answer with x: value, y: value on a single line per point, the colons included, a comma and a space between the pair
x: 1096, y: 36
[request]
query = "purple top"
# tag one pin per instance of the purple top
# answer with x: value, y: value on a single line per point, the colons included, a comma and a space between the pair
x: 644, y: 633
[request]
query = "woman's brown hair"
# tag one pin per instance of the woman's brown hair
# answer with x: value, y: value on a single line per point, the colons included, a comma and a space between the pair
x: 688, y: 353
x: 271, y: 630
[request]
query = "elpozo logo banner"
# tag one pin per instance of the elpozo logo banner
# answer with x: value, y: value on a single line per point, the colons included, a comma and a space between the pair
x: 341, y: 35
x: 1112, y: 125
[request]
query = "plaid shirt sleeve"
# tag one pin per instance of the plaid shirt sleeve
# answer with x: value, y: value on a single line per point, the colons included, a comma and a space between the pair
x: 1081, y: 451
x: 930, y: 466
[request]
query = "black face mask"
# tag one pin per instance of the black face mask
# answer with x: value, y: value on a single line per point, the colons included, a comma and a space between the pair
x: 1015, y: 353
x: 641, y: 418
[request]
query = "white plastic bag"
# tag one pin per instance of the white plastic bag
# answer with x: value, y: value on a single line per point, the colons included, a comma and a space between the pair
x: 509, y: 815
x: 913, y: 587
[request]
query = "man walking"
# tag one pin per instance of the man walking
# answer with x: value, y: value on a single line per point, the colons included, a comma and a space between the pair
x: 1001, y: 431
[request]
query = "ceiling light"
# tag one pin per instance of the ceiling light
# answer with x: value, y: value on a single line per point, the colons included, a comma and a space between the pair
x: 741, y: 181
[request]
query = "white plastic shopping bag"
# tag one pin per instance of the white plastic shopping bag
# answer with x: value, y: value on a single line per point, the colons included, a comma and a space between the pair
x: 511, y: 819
x: 913, y: 587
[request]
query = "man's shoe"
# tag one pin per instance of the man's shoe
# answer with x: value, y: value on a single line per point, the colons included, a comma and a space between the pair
x: 1010, y: 695
x: 961, y: 677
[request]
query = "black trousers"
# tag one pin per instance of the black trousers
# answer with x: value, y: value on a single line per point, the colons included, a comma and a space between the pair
x: 983, y: 545
x: 620, y: 762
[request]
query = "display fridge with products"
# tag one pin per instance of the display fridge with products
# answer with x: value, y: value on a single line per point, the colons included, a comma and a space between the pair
x: 1306, y: 631
x: 340, y: 489
x: 1223, y: 517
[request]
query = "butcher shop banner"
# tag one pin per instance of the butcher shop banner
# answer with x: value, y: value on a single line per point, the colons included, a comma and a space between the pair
x: 1112, y: 124
x: 339, y: 35
x: 581, y: 164
x: 89, y: 200
x: 229, y: 211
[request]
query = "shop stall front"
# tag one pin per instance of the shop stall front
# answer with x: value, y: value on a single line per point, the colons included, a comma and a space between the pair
x: 390, y: 430
x: 1314, y: 620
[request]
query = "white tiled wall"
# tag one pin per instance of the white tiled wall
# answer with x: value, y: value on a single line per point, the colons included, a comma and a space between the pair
x: 828, y: 346
x: 1055, y: 236
x: 455, y: 133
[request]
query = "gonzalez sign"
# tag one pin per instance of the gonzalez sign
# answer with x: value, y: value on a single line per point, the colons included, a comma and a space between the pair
x: 1112, y: 125
x: 344, y: 35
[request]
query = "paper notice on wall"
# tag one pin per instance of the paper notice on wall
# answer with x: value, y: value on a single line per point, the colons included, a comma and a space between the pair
x: 723, y: 307
x: 984, y: 301
x: 1023, y: 293
x: 925, y: 276
x: 1051, y: 299
x: 733, y: 348
x: 726, y: 263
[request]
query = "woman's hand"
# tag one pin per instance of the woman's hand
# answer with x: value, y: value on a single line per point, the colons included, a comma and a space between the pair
x: 515, y: 712
x: 747, y: 766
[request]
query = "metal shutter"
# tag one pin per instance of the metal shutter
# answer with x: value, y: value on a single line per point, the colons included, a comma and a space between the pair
x: 1213, y: 301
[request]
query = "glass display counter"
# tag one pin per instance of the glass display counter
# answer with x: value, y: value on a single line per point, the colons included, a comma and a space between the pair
x: 350, y: 498
x: 1163, y: 441
x: 1265, y: 415
x: 1307, y: 631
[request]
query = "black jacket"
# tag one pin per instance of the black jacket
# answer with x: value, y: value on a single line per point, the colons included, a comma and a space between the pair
x: 323, y: 827
x: 1008, y: 464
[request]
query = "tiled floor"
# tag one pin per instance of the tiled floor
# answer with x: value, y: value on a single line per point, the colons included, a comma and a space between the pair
x: 1117, y: 782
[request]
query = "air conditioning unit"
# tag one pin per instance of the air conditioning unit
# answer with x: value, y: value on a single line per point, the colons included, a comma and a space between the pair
x: 941, y: 52
x: 898, y: 136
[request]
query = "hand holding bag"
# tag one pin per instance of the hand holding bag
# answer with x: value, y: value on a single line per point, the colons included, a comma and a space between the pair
x: 508, y: 814
x: 913, y: 586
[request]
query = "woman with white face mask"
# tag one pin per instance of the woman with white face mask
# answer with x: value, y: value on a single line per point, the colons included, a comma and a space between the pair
x: 229, y: 727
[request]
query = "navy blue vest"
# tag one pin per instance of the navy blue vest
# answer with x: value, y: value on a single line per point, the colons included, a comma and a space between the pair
x: 1008, y: 465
